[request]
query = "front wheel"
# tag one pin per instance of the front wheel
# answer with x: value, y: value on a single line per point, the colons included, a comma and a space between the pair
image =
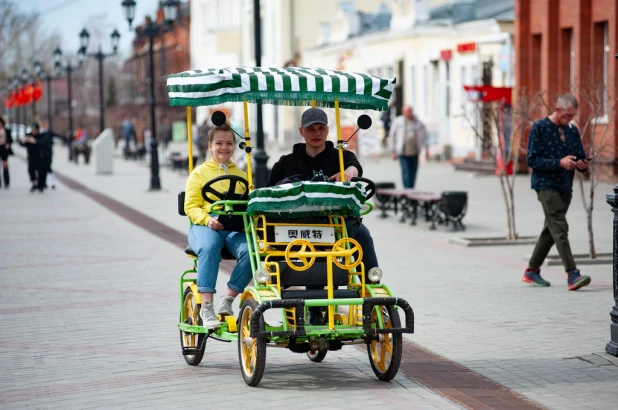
x: 193, y: 341
x: 251, y: 351
x: 385, y: 353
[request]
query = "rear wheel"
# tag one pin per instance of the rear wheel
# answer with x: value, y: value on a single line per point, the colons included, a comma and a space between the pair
x: 251, y: 351
x: 385, y: 353
x: 318, y: 355
x: 193, y: 341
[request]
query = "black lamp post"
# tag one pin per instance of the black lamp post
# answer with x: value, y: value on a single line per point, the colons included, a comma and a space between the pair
x: 170, y: 10
x: 45, y: 75
x: 24, y: 81
x: 69, y: 69
x: 612, y: 346
x: 260, y: 156
x: 84, y: 38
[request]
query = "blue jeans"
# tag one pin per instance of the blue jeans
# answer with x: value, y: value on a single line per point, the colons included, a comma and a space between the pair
x: 208, y: 243
x: 363, y: 237
x: 409, y: 167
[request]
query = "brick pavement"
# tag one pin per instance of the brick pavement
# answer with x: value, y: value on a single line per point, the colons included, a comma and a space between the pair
x: 88, y: 319
x: 470, y: 306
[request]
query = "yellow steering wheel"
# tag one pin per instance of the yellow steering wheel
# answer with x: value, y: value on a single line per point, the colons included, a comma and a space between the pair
x: 305, y: 246
x: 347, y: 262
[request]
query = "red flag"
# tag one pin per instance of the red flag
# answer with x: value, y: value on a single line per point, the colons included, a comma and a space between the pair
x: 8, y: 102
x: 29, y: 93
x: 38, y: 91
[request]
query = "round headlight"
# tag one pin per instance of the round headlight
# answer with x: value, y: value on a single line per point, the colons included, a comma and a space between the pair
x: 262, y: 276
x: 374, y: 274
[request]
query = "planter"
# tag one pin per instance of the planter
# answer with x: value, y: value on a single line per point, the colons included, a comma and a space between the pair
x: 581, y: 259
x: 494, y: 241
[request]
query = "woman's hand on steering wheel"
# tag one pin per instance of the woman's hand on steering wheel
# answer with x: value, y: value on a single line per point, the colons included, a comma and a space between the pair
x: 211, y: 195
x: 370, y: 187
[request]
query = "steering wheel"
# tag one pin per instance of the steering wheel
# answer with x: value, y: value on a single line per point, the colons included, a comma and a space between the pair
x: 211, y: 195
x: 370, y: 189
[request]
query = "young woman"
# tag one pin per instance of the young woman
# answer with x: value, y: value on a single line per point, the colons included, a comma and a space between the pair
x: 208, y: 236
x: 5, y: 150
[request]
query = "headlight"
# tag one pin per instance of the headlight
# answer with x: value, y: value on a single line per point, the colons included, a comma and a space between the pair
x: 374, y: 274
x: 262, y: 276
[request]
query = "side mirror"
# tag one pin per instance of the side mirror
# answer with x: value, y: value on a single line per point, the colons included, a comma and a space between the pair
x: 364, y: 122
x: 218, y: 118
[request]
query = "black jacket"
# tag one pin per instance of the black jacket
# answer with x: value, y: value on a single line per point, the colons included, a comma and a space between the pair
x: 298, y: 162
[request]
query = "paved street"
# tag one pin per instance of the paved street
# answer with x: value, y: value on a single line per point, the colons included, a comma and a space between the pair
x: 89, y: 316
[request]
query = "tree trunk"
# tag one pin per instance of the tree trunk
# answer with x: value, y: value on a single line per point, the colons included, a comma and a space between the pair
x: 509, y: 225
x: 591, y: 248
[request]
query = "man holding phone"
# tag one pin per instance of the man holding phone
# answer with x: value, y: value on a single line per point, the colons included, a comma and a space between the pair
x: 555, y: 151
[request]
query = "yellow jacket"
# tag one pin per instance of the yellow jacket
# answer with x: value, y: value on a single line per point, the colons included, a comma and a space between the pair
x: 195, y: 207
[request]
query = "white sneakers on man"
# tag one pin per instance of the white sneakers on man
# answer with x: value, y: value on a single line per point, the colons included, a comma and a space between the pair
x: 209, y: 319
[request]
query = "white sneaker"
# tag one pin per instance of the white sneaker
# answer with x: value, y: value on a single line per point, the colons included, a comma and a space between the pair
x: 209, y: 319
x: 225, y: 309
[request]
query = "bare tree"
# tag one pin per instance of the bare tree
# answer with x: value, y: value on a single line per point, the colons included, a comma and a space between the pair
x: 505, y: 146
x: 596, y: 124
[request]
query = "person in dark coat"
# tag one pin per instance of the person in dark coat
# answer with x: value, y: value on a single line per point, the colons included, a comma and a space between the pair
x: 39, y: 146
x: 5, y: 150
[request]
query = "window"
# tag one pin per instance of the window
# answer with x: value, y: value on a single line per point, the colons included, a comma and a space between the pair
x: 537, y: 70
x: 447, y: 102
x: 567, y: 59
x: 426, y: 82
x: 413, y: 85
x: 475, y: 74
x: 463, y: 81
x: 600, y: 67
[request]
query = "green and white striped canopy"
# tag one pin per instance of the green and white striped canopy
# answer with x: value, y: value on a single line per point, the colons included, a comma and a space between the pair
x: 302, y: 199
x: 280, y: 86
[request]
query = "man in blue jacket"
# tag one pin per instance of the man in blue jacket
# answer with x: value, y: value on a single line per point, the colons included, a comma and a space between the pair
x: 555, y: 150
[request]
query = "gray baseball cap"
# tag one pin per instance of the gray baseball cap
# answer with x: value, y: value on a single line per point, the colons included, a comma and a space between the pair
x: 313, y: 116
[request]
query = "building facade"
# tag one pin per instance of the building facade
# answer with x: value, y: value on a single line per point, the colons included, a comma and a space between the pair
x: 569, y: 46
x: 433, y: 49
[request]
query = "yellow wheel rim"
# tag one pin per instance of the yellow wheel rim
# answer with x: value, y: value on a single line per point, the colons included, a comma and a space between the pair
x: 192, y: 317
x: 248, y: 350
x: 347, y: 262
x: 306, y: 262
x: 382, y: 350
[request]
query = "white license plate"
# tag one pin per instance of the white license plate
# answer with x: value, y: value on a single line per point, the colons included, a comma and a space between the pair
x: 316, y: 234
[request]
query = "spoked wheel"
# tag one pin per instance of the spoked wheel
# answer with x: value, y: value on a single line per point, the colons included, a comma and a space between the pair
x: 251, y: 351
x: 194, y: 341
x: 318, y: 355
x: 385, y: 353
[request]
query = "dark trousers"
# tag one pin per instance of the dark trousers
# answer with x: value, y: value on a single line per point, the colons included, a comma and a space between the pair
x: 356, y: 230
x: 555, y: 229
x: 33, y: 166
x: 44, y: 165
x: 409, y: 168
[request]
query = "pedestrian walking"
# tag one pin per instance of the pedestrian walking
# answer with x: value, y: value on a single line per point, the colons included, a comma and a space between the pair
x: 5, y: 150
x: 51, y: 177
x: 407, y: 139
x: 39, y: 145
x: 555, y: 151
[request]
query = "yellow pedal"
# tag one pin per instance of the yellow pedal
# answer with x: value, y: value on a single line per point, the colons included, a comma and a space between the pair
x: 231, y: 324
x: 341, y: 318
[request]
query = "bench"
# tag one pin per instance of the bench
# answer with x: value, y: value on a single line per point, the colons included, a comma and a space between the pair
x: 180, y: 162
x: 445, y: 208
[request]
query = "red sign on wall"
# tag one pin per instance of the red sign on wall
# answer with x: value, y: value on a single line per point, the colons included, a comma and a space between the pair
x: 446, y: 55
x: 466, y: 48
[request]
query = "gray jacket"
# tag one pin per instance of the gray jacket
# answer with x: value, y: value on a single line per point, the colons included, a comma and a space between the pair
x: 396, y: 135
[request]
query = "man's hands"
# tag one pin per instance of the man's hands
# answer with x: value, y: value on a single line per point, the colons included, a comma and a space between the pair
x: 29, y: 140
x: 350, y: 172
x: 570, y: 162
x: 215, y: 225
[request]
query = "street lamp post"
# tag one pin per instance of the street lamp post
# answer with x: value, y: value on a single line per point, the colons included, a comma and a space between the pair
x: 24, y: 81
x: 170, y: 10
x: 260, y: 156
x: 69, y: 69
x: 45, y: 75
x: 84, y: 37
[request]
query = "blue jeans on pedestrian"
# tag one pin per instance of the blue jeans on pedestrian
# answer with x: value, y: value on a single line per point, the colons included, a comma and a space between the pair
x: 361, y: 234
x: 207, y: 244
x: 409, y: 167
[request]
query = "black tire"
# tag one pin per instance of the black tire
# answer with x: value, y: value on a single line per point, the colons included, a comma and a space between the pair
x: 252, y: 358
x: 192, y: 316
x: 378, y: 350
x: 318, y: 355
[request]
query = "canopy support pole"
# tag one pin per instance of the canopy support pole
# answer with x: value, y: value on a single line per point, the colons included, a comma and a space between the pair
x: 339, y: 140
x: 190, y: 139
x: 245, y: 107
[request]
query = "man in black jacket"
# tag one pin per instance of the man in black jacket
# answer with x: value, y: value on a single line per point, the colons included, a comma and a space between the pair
x: 39, y: 145
x: 318, y: 158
